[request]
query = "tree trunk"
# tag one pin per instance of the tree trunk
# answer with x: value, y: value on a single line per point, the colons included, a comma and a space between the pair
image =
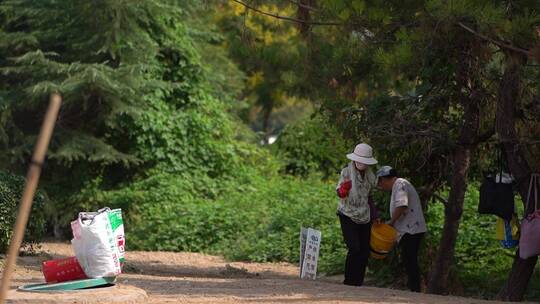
x: 467, y: 142
x: 453, y: 209
x: 303, y: 13
x: 516, y: 285
x: 509, y: 92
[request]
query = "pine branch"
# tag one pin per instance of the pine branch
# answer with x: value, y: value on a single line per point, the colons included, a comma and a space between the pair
x: 77, y: 146
x: 291, y: 19
x: 496, y: 42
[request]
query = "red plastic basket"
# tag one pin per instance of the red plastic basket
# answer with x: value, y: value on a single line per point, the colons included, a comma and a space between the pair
x: 62, y: 270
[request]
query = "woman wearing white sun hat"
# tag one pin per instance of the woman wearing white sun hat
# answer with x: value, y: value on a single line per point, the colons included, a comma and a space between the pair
x: 356, y: 211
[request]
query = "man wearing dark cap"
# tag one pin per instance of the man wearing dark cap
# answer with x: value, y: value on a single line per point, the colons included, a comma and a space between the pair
x: 407, y: 218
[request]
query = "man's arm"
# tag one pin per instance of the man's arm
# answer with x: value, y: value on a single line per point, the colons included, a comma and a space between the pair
x: 401, y: 203
x: 398, y: 212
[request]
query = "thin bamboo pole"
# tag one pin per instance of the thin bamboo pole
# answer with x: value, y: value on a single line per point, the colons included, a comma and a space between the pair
x: 32, y: 179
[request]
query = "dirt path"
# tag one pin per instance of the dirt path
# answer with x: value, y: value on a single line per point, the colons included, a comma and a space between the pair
x: 197, y: 278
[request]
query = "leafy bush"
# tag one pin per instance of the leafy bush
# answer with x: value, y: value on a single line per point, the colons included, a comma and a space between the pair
x: 11, y: 188
x: 198, y: 137
x: 312, y: 145
x: 253, y: 215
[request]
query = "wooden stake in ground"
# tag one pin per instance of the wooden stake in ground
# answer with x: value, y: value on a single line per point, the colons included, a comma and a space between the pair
x: 32, y: 178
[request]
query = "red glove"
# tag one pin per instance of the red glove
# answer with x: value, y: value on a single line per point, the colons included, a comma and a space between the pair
x: 344, y: 188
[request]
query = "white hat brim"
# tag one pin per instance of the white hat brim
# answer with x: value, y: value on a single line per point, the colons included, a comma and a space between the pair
x: 362, y: 160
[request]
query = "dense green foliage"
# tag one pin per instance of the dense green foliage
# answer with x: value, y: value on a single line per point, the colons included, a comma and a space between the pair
x: 252, y: 216
x: 135, y: 97
x: 11, y: 189
x: 312, y: 145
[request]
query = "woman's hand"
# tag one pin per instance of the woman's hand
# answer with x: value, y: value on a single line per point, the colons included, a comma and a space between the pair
x: 344, y: 188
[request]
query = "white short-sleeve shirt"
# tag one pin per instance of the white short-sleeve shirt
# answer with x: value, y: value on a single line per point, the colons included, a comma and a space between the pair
x: 412, y: 221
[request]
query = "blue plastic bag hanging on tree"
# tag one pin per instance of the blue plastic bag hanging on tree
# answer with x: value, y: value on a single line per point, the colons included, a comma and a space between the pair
x: 508, y: 232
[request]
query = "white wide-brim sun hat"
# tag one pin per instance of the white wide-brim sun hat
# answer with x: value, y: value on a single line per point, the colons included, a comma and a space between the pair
x: 363, y: 154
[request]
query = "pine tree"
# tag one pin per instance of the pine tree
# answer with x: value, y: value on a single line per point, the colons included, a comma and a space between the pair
x: 135, y: 96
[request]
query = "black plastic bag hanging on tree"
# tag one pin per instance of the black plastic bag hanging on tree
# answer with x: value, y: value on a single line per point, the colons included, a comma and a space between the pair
x: 497, y: 194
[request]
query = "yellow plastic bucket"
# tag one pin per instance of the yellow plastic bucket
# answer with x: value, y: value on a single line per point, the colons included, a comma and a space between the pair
x: 383, y: 238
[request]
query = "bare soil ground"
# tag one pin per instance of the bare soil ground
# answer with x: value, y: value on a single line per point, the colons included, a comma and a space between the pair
x: 197, y: 278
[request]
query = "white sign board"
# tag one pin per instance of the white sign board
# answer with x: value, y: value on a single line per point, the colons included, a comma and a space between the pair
x: 310, y: 243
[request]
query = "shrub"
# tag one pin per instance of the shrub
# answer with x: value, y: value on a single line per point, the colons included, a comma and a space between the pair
x: 255, y: 215
x: 11, y: 188
x: 312, y: 145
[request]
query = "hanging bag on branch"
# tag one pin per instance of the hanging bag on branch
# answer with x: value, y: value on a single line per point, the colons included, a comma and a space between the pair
x: 529, y: 242
x: 497, y: 194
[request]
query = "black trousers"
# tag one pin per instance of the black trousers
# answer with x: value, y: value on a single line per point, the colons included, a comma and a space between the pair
x: 410, y: 244
x: 356, y: 237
